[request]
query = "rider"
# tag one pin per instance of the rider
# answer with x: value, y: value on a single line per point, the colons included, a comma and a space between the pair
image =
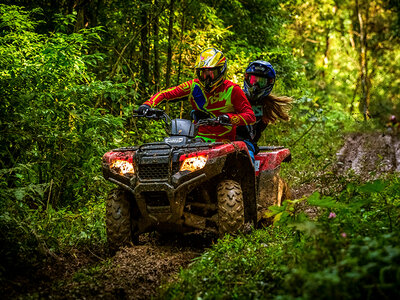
x: 210, y: 95
x: 259, y: 79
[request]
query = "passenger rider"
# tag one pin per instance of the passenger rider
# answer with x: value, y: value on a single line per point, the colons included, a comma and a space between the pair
x: 259, y: 79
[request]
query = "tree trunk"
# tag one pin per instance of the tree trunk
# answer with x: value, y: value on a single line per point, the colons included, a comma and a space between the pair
x: 181, y: 41
x: 86, y: 13
x: 365, y: 97
x: 180, y: 50
x: 156, y: 31
x: 170, y: 32
x: 328, y: 29
x: 145, y: 50
x: 326, y: 51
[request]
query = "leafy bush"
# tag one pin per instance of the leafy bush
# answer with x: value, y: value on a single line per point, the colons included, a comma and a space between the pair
x: 350, y: 251
x: 368, y: 268
x: 29, y: 235
x: 54, y: 132
x: 235, y: 268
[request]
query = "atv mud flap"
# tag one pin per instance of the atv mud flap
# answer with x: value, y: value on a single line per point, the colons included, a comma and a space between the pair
x: 267, y: 191
x: 167, y: 216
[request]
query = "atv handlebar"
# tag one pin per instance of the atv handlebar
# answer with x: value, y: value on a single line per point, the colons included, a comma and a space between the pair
x: 159, y: 114
x: 155, y: 114
x: 152, y: 113
x: 211, y: 122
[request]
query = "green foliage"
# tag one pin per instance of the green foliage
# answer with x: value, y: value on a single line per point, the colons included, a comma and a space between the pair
x: 54, y: 132
x: 30, y: 234
x: 326, y: 39
x: 69, y: 88
x: 314, y: 135
x: 368, y: 268
x: 355, y: 254
x: 235, y: 268
x: 350, y: 251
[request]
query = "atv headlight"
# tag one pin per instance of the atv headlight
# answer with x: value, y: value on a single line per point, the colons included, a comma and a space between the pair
x: 122, y: 167
x: 194, y: 163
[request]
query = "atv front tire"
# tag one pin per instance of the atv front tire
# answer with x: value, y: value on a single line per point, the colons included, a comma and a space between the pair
x: 230, y: 207
x: 118, y: 219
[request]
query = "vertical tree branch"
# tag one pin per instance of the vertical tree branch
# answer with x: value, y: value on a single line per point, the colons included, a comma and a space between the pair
x: 169, y: 54
x: 156, y: 29
x: 363, y: 60
x: 145, y: 49
x: 181, y: 41
x: 170, y: 32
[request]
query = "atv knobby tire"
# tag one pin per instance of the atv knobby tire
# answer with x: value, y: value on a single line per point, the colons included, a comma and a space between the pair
x: 230, y: 207
x: 118, y: 219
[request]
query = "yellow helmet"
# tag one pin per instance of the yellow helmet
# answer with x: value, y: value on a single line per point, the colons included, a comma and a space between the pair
x: 211, y: 68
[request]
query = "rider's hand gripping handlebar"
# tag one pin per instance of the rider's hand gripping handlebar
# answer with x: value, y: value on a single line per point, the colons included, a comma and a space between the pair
x: 148, y: 112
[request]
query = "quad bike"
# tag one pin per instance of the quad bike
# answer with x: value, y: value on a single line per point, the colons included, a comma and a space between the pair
x: 184, y: 184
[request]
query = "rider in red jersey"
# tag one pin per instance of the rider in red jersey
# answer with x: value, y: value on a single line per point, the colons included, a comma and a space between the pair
x: 210, y: 95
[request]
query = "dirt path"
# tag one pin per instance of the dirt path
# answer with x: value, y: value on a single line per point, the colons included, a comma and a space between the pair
x: 132, y: 273
x: 369, y: 155
x: 137, y: 272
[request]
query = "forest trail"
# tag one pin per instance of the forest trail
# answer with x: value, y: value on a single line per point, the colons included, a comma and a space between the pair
x: 369, y: 154
x: 136, y: 272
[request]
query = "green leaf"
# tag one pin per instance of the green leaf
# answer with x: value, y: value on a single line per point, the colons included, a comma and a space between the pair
x: 326, y: 201
x: 373, y: 187
x: 19, y: 194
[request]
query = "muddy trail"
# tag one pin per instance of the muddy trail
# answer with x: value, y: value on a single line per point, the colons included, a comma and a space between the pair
x: 137, y: 272
x: 369, y: 155
x: 134, y: 272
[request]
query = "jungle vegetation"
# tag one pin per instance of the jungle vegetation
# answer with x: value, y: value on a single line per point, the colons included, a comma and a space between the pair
x: 72, y: 72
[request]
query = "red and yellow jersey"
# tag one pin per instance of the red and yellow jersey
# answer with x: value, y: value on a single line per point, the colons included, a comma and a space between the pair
x: 227, y: 99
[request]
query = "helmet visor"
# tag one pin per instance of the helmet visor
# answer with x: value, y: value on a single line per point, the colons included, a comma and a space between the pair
x: 208, y: 74
x: 253, y: 80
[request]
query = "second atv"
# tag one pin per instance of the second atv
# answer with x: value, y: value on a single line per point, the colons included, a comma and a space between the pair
x: 183, y: 184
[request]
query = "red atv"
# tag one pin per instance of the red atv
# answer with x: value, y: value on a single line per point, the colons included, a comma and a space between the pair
x: 183, y: 184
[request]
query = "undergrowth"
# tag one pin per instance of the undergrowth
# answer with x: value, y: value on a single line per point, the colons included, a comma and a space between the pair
x: 314, y: 135
x: 30, y: 235
x: 350, y: 251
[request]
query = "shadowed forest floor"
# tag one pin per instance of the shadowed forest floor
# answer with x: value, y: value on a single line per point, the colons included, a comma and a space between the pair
x: 136, y: 272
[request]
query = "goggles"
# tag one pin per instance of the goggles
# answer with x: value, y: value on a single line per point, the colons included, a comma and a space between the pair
x: 208, y: 73
x: 262, y: 82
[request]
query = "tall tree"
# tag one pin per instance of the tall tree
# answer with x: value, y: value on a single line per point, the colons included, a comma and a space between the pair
x: 170, y: 40
x: 181, y: 37
x: 156, y: 32
x: 362, y: 13
x: 145, y: 47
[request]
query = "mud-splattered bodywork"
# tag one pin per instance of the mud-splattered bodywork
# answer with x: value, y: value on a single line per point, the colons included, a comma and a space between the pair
x: 267, y: 167
x: 173, y: 184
